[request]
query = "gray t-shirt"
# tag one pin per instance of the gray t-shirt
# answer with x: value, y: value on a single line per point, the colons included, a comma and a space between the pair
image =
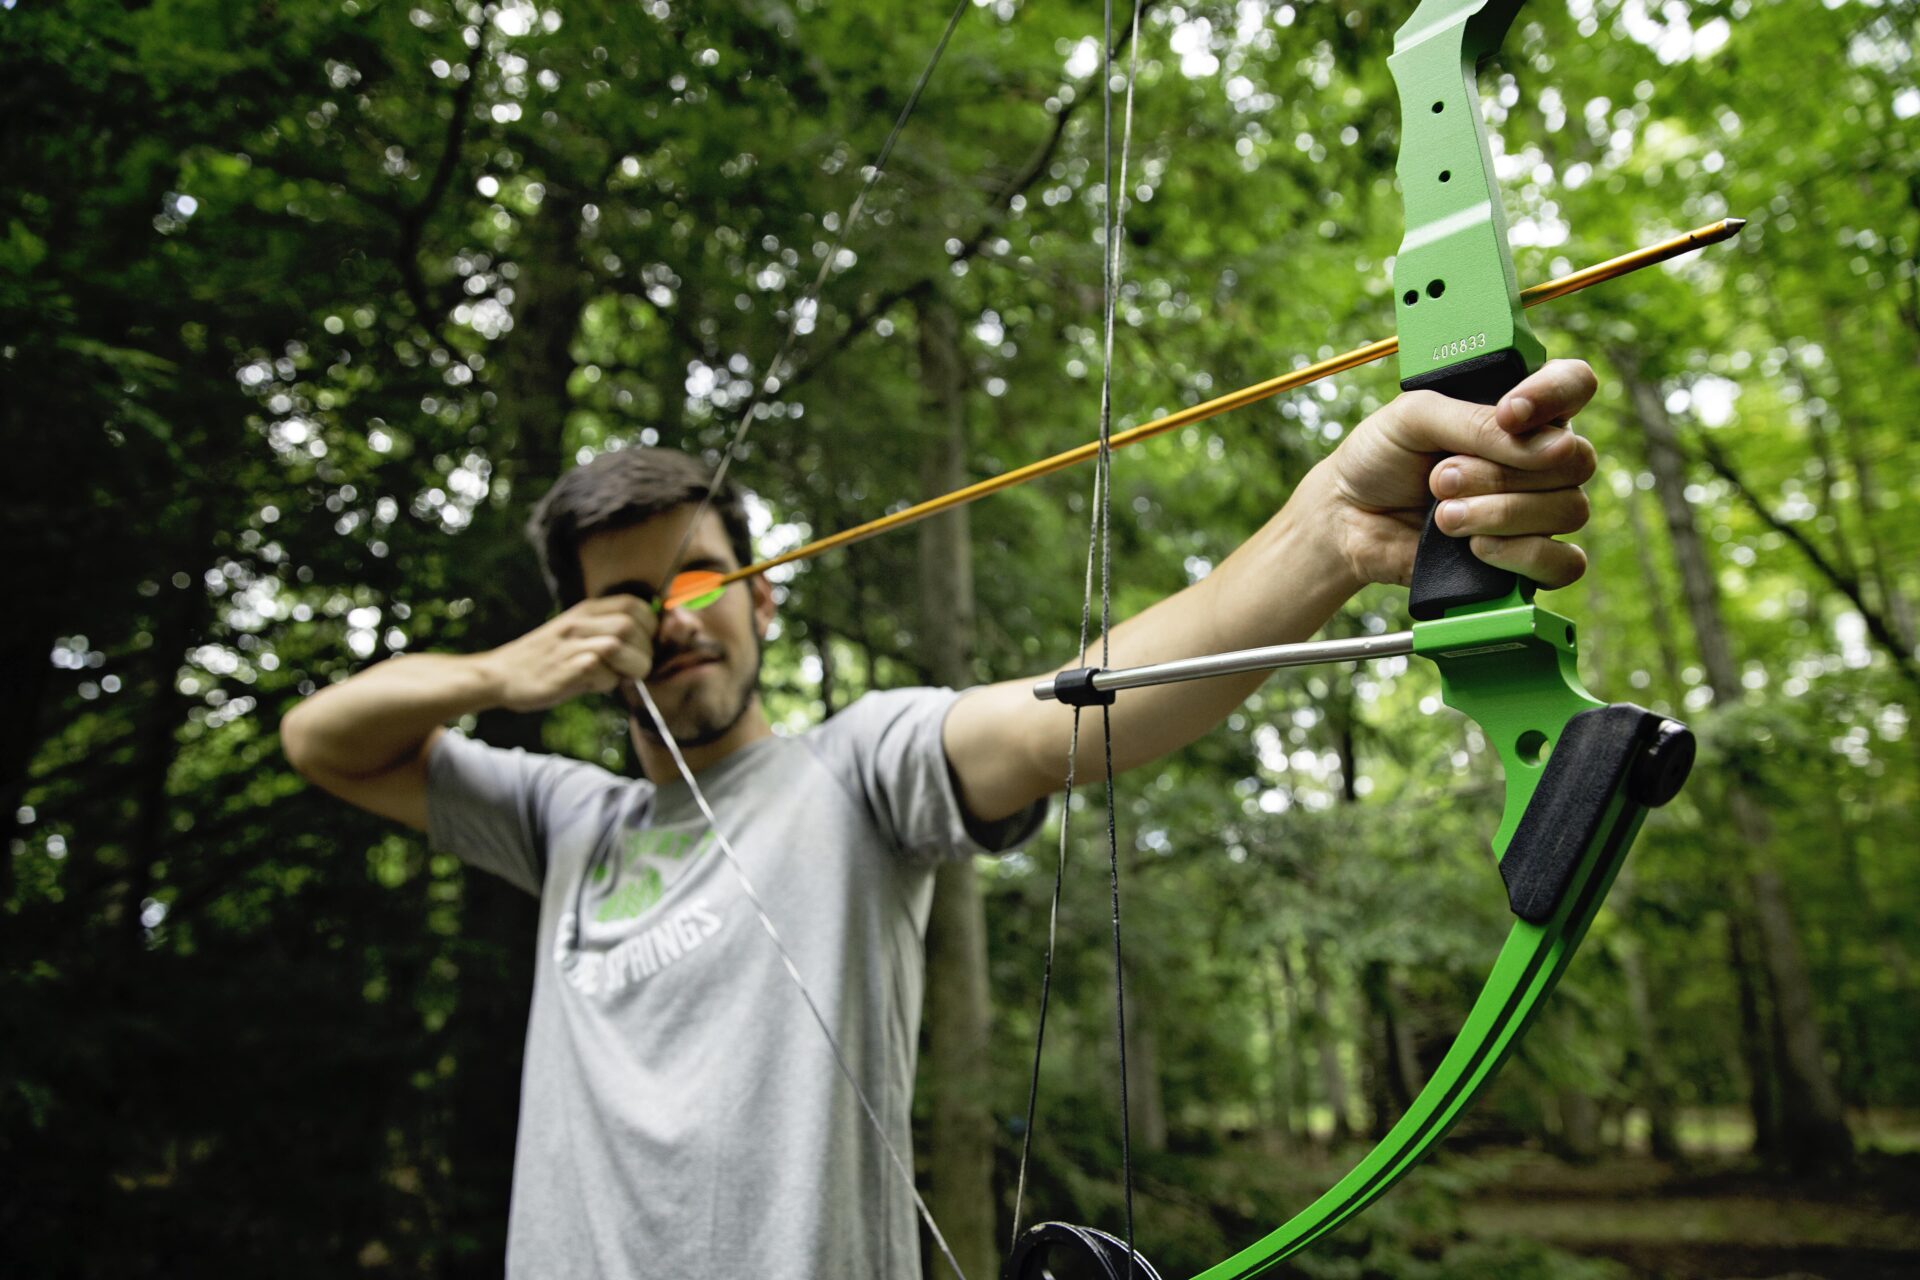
x: 681, y: 1115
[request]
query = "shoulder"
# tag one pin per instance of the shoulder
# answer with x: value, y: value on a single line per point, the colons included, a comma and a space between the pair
x: 888, y: 749
x: 555, y: 784
x: 885, y: 717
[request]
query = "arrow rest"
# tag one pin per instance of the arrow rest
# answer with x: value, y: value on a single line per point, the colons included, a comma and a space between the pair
x: 1076, y: 689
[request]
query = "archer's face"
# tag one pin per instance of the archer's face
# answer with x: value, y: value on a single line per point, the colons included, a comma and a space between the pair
x: 706, y: 663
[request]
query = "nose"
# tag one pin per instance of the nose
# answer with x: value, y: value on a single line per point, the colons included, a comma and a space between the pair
x: 677, y: 627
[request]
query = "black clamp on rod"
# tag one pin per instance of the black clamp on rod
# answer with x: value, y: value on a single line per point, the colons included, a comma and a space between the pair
x: 1076, y: 689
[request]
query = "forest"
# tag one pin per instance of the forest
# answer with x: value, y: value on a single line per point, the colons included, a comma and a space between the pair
x: 304, y: 305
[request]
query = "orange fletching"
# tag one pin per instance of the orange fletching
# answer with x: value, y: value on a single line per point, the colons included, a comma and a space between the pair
x: 694, y: 589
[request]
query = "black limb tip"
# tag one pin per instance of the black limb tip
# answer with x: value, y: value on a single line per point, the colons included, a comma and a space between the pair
x: 1663, y: 765
x: 1075, y: 689
x: 1600, y: 752
x: 1062, y: 1251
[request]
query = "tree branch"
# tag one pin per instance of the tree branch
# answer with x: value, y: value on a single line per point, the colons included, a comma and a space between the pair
x: 414, y: 220
x: 998, y: 207
x: 1846, y: 583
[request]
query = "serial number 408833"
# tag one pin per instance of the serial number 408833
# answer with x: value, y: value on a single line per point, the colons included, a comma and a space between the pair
x: 1459, y: 347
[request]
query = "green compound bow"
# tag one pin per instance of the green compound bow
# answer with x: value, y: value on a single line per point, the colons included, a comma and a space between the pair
x: 1580, y: 774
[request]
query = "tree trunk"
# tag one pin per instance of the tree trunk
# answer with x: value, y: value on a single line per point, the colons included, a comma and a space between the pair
x: 1658, y: 614
x: 1394, y: 1080
x: 1882, y: 569
x: 822, y: 636
x: 1577, y: 1135
x: 1756, y: 1056
x: 1146, y: 1094
x: 1656, y: 1080
x: 1813, y: 1123
x: 1333, y: 1079
x: 498, y: 923
x: 1280, y: 1064
x: 959, y: 1011
x: 180, y: 626
x: 1301, y: 1103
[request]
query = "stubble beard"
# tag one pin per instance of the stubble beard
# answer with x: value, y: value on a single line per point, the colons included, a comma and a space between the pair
x: 700, y: 723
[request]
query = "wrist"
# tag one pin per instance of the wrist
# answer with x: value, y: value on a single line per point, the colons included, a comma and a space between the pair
x: 484, y: 683
x: 1285, y: 581
x: 1311, y: 531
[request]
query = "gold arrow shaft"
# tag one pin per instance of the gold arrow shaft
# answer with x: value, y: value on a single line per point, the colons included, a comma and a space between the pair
x: 1626, y: 264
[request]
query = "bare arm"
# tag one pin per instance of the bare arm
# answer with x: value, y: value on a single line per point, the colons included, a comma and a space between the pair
x: 1007, y: 748
x: 368, y: 739
x: 1509, y: 476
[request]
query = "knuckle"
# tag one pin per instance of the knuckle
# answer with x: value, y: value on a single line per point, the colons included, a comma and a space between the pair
x: 1421, y: 404
x: 1495, y: 479
x: 1412, y: 417
x: 1484, y: 421
x: 1586, y: 459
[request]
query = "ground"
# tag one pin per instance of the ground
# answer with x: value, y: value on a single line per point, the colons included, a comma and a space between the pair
x: 1718, y: 1220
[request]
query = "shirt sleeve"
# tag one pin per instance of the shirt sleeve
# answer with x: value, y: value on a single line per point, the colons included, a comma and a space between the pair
x: 887, y: 749
x: 502, y: 809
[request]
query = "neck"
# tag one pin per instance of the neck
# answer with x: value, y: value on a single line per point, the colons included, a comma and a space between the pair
x: 657, y: 762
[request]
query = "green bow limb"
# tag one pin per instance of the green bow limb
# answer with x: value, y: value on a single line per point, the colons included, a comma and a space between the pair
x: 1580, y: 774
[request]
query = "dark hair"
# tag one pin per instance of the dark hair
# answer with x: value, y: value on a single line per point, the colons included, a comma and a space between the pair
x: 618, y: 490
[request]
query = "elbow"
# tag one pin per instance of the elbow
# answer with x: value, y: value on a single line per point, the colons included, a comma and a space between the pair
x: 296, y: 741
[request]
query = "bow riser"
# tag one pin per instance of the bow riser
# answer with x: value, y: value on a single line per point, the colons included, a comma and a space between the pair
x: 1462, y: 328
x: 1513, y: 672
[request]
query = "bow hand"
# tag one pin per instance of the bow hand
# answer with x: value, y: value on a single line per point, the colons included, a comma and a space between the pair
x: 1507, y: 476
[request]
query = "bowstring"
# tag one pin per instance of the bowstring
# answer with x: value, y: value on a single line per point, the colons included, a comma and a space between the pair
x: 1053, y: 909
x: 793, y: 971
x: 1100, y: 548
x: 1116, y: 200
x: 805, y: 307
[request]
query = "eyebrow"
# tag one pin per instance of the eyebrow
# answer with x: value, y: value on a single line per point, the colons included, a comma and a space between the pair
x: 647, y: 591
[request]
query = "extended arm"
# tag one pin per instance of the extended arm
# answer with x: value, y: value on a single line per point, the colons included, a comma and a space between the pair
x: 1509, y: 476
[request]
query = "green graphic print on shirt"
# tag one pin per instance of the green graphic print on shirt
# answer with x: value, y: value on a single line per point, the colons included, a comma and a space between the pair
x: 648, y: 861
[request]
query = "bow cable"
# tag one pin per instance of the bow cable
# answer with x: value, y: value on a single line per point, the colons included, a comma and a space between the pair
x: 809, y: 299
x: 1100, y: 547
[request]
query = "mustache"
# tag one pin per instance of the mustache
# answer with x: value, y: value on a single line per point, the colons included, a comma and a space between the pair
x: 665, y: 659
x: 629, y: 698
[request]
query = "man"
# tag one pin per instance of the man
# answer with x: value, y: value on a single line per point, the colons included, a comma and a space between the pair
x: 681, y: 1114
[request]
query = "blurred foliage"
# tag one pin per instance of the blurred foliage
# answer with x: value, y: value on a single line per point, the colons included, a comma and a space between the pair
x: 302, y: 305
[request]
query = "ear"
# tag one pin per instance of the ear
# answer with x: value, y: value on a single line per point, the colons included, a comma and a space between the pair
x: 764, y: 607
